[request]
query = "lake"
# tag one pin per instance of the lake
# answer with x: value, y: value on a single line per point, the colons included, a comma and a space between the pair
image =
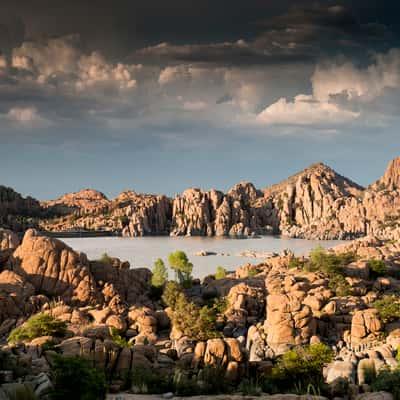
x: 142, y: 251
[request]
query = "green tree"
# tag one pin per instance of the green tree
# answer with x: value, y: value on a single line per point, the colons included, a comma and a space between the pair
x: 220, y: 273
x: 179, y: 262
x: 160, y: 274
x: 197, y: 323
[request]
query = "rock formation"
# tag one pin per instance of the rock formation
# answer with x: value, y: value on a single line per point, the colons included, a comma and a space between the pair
x: 316, y: 203
x: 114, y: 320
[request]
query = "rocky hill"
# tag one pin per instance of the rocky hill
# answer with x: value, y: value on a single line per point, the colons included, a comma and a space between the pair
x: 316, y: 203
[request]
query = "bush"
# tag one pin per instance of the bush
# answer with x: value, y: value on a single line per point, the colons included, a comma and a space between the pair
x: 388, y: 381
x: 331, y: 265
x: 388, y: 308
x: 220, y: 273
x: 75, y: 379
x: 300, y: 370
x: 198, y: 323
x: 378, y: 268
x: 149, y: 382
x: 36, y: 326
x: 119, y: 339
x: 295, y: 262
x: 105, y: 259
x: 160, y: 274
x: 179, y: 262
x: 170, y: 294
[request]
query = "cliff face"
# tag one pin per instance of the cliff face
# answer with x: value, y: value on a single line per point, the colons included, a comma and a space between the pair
x: 211, y: 213
x: 16, y: 212
x: 130, y: 213
x: 316, y: 203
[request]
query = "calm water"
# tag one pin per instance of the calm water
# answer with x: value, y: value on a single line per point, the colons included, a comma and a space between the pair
x: 141, y: 252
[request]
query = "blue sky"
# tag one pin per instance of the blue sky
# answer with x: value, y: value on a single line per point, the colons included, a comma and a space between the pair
x: 158, y: 98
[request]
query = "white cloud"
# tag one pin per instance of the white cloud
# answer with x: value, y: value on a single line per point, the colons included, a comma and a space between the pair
x: 55, y: 56
x: 305, y: 110
x: 360, y: 87
x: 28, y: 116
x: 93, y: 69
x: 178, y: 73
x: 363, y: 83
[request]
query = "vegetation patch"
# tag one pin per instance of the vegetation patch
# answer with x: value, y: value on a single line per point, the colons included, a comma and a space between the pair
x: 300, y: 371
x: 196, y: 322
x: 74, y: 378
x: 36, y: 326
x: 388, y: 308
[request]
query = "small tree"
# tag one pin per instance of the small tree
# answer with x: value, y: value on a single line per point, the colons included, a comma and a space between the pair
x: 160, y: 274
x: 179, y: 262
x: 220, y: 273
x: 197, y: 323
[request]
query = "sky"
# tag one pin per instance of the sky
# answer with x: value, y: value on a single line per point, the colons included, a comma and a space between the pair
x: 157, y: 96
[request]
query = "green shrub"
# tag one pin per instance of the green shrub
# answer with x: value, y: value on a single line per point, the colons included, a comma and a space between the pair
x: 75, y: 379
x: 196, y: 322
x: 295, y: 262
x: 300, y: 370
x: 149, y: 382
x: 160, y: 274
x: 388, y: 308
x: 179, y: 262
x: 253, y: 272
x: 220, y: 273
x: 170, y: 294
x: 36, y: 326
x: 119, y: 339
x: 105, y: 259
x: 250, y: 387
x: 378, y: 268
x: 388, y: 381
x: 331, y: 265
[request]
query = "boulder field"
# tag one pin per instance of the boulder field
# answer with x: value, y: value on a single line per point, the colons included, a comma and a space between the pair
x: 270, y: 309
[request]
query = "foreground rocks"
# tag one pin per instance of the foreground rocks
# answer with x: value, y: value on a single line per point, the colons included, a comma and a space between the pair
x: 114, y: 320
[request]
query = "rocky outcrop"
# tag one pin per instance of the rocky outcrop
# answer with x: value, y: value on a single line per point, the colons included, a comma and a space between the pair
x: 87, y: 201
x: 9, y: 241
x: 130, y: 214
x: 316, y: 203
x: 54, y: 269
x: 16, y: 212
x: 237, y: 213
